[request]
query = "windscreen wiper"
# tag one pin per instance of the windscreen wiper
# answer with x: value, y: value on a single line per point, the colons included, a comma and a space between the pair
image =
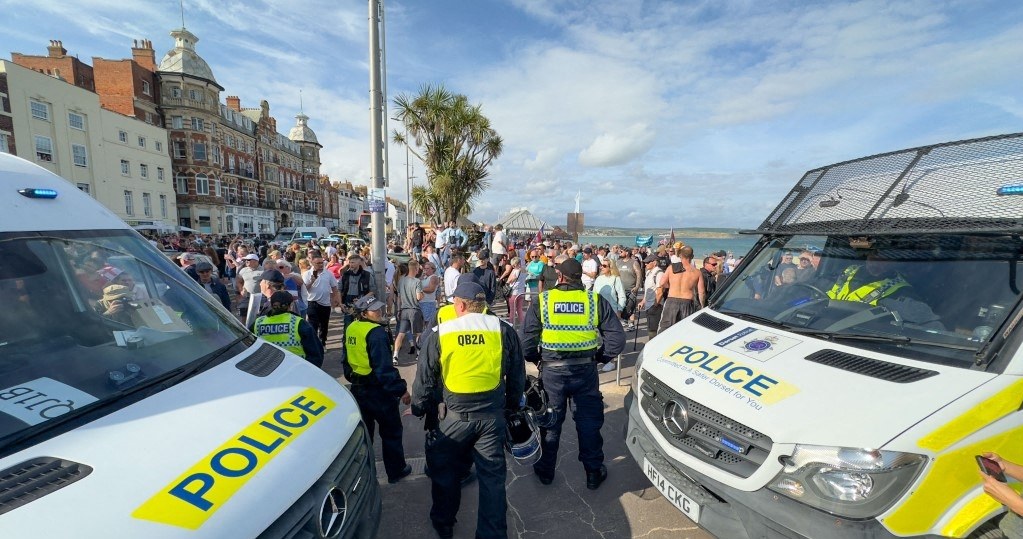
x: 755, y: 318
x: 878, y: 337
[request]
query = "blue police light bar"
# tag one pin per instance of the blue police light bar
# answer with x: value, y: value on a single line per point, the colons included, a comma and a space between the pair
x: 38, y: 193
x: 1010, y: 190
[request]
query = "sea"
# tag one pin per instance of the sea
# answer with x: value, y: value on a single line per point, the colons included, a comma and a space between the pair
x: 738, y: 244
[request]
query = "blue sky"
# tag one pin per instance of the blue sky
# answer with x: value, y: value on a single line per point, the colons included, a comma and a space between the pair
x: 662, y: 113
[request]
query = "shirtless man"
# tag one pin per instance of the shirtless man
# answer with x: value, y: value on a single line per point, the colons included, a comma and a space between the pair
x: 681, y: 279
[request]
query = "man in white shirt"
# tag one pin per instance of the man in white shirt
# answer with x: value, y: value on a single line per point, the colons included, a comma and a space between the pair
x: 498, y: 247
x: 590, y: 268
x: 322, y: 294
x: 653, y: 295
x: 451, y: 276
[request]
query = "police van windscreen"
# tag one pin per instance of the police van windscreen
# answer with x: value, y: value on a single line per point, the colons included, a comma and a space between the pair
x: 936, y: 298
x: 87, y: 317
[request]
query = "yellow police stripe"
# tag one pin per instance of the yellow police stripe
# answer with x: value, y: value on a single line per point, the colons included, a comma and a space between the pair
x: 998, y: 405
x: 195, y: 495
x: 951, y: 476
x: 973, y: 513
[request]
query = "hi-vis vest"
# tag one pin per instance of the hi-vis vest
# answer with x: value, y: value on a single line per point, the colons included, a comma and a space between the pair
x: 447, y: 313
x: 355, y: 346
x: 868, y: 293
x: 282, y: 330
x: 470, y: 353
x: 569, y: 319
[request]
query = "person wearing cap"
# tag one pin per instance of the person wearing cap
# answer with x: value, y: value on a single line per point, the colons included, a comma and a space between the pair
x: 217, y: 289
x: 188, y: 264
x: 282, y: 327
x: 247, y: 282
x: 567, y: 331
x: 376, y: 384
x: 473, y: 365
x: 270, y: 282
x: 116, y: 303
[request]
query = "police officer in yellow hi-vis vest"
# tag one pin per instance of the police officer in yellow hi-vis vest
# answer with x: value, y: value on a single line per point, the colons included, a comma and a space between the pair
x: 878, y: 282
x: 473, y: 364
x: 376, y: 384
x: 288, y: 330
x: 567, y: 331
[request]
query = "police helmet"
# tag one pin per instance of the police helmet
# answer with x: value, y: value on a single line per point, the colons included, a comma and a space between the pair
x: 523, y: 439
x: 536, y: 403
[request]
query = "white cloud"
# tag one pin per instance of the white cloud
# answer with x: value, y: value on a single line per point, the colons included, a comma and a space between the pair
x: 618, y: 148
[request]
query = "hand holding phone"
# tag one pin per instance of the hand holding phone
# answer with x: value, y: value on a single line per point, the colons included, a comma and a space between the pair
x: 990, y: 467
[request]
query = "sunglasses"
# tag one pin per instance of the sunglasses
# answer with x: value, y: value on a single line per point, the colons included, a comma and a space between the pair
x: 604, y: 266
x: 714, y: 265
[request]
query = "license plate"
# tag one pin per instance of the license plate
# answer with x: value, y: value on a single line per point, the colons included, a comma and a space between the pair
x: 672, y: 493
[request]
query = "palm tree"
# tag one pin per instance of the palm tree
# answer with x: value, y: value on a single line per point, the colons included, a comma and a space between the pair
x: 456, y: 143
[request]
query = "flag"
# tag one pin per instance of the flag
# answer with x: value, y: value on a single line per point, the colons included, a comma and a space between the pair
x: 671, y: 238
x: 539, y: 235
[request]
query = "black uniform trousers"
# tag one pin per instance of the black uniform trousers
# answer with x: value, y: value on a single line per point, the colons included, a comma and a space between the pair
x: 319, y: 317
x: 581, y: 384
x: 377, y: 407
x: 461, y: 439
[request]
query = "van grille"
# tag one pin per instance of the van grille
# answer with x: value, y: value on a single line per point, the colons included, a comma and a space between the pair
x: 712, y: 323
x: 353, y: 472
x: 866, y: 366
x: 262, y: 362
x: 712, y: 437
x: 33, y: 479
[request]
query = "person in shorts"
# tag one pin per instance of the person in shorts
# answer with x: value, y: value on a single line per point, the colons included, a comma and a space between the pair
x: 410, y: 316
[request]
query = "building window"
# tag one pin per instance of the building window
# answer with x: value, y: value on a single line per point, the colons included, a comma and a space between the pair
x: 197, y: 124
x: 179, y: 149
x: 5, y: 146
x: 216, y: 187
x: 40, y: 111
x: 159, y: 174
x: 182, y: 182
x: 177, y: 122
x: 146, y: 88
x: 149, y: 118
x: 202, y: 184
x: 122, y: 136
x: 44, y: 148
x: 125, y: 167
x: 144, y: 171
x: 198, y: 151
x: 159, y: 146
x: 175, y: 91
x: 76, y: 121
x: 142, y: 142
x: 216, y: 155
x: 194, y: 95
x: 79, y: 155
x: 163, y: 206
x: 147, y: 205
x: 129, y: 203
x: 83, y: 187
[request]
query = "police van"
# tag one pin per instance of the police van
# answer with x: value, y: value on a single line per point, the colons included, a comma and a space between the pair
x: 133, y: 405
x: 844, y: 379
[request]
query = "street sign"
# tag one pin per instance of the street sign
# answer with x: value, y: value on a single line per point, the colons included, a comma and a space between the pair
x: 377, y: 201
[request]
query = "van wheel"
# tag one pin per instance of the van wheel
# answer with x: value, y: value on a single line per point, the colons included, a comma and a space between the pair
x: 987, y: 530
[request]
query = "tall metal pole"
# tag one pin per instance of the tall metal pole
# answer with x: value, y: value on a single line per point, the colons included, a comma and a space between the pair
x: 383, y: 86
x: 408, y: 182
x: 378, y: 243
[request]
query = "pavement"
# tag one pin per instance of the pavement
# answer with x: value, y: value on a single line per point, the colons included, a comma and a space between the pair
x: 626, y: 505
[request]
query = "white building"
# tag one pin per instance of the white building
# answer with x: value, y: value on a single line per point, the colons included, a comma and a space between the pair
x: 350, y: 205
x: 122, y: 162
x: 397, y: 217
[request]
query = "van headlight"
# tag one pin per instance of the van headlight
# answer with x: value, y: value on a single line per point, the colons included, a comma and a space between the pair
x: 847, y: 482
x: 635, y: 374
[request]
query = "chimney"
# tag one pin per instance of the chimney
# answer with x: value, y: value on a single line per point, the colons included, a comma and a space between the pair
x: 56, y: 49
x: 143, y: 54
x: 234, y: 103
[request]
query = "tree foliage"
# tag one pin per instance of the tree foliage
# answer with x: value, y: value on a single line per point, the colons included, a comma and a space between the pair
x: 456, y: 143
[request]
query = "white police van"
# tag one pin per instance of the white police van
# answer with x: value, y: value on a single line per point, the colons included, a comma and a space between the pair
x: 133, y: 405
x: 848, y: 395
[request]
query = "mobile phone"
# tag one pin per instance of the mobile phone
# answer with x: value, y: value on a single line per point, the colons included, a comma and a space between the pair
x: 990, y: 467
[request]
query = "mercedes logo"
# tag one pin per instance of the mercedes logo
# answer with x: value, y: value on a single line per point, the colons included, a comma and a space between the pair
x: 332, y: 513
x: 676, y: 418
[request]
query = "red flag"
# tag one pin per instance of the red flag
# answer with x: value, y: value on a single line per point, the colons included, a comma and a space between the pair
x: 539, y: 235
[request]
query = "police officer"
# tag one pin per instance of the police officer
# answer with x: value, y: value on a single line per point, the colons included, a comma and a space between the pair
x: 376, y: 384
x: 563, y: 334
x: 474, y: 365
x: 289, y: 331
